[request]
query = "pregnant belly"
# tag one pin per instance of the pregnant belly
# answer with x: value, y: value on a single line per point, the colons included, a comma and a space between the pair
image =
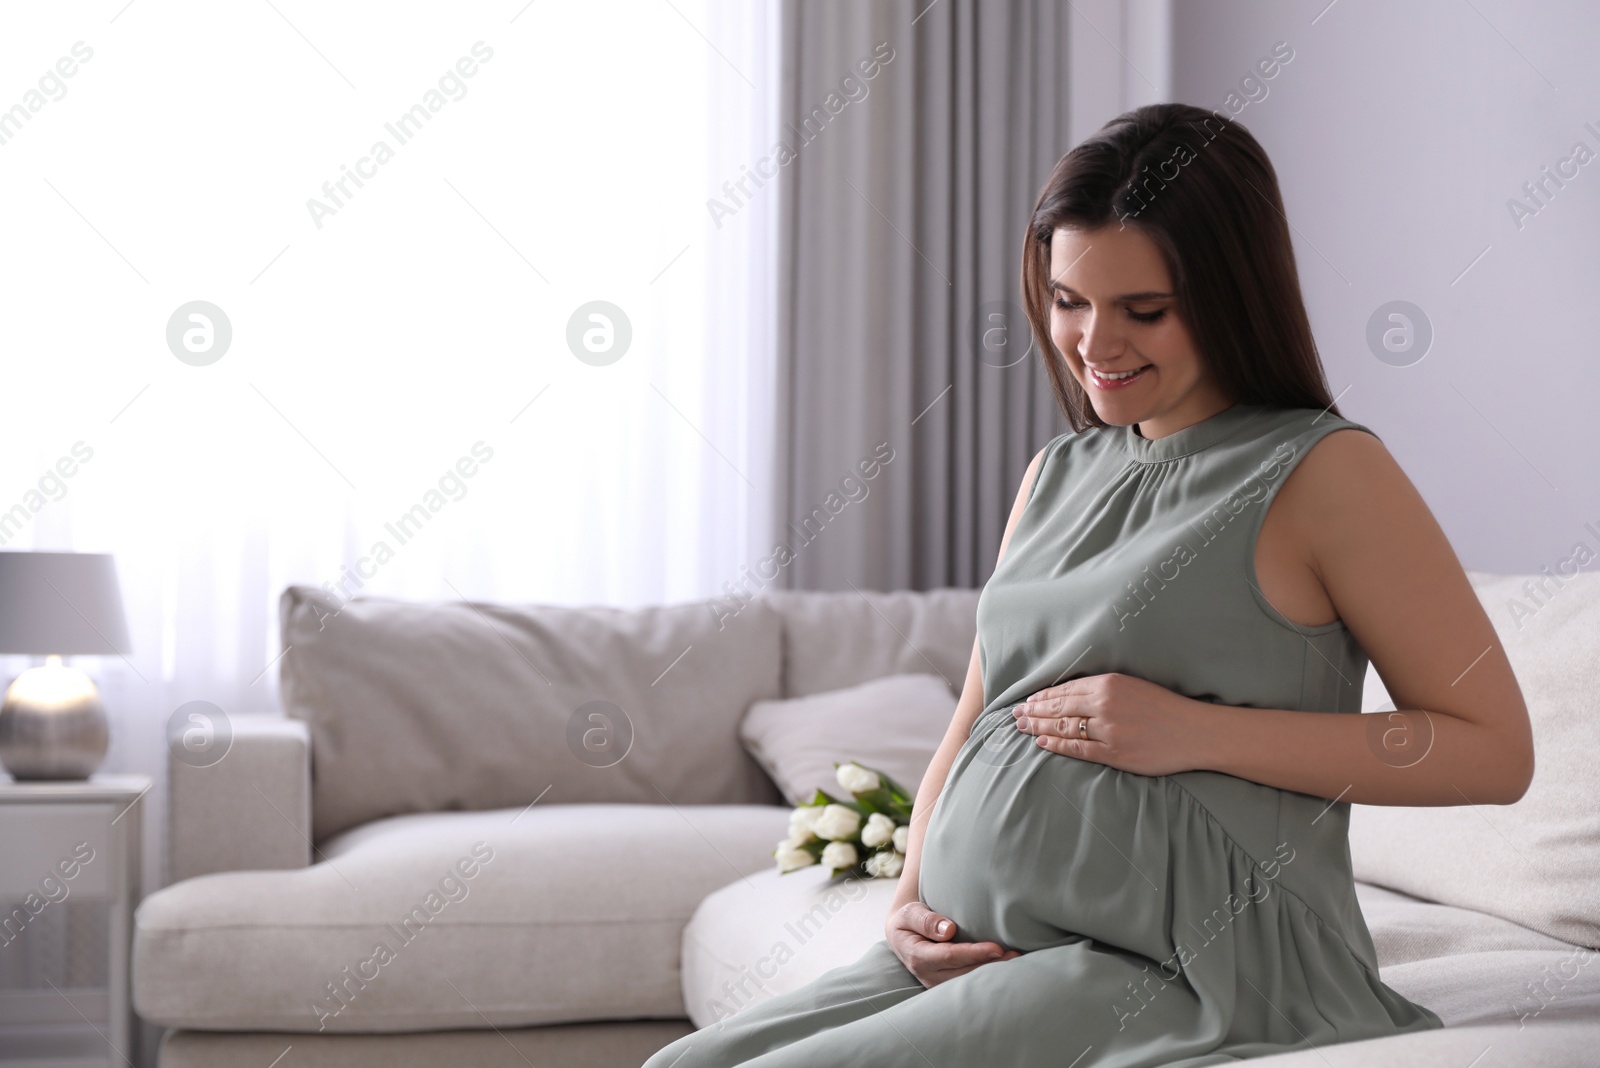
x: 1032, y: 849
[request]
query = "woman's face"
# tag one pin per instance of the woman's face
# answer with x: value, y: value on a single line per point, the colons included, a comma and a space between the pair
x: 1115, y: 318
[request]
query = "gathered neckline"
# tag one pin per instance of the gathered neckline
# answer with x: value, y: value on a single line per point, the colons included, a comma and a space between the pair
x: 1191, y: 439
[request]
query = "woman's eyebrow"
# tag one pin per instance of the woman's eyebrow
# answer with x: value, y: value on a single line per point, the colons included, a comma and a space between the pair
x: 1127, y: 297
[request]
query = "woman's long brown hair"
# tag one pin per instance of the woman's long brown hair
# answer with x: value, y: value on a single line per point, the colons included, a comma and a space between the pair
x: 1204, y: 191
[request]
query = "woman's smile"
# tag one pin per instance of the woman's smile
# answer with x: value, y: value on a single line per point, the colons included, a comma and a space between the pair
x: 1109, y: 379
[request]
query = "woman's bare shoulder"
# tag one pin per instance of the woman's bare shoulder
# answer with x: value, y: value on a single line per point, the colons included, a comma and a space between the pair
x: 1341, y: 481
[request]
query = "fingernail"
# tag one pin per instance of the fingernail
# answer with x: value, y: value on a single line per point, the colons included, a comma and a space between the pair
x: 944, y: 927
x: 994, y: 954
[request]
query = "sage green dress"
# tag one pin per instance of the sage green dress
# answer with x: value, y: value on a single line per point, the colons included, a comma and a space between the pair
x: 1188, y: 919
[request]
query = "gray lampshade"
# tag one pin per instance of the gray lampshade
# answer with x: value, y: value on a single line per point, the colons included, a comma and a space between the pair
x: 61, y: 603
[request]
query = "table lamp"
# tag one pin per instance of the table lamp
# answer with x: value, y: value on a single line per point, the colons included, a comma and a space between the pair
x: 52, y: 724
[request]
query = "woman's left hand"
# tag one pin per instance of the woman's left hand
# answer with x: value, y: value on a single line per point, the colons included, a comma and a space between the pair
x: 1125, y: 722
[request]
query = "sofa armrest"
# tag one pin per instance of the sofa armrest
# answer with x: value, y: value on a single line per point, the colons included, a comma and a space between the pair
x: 251, y: 810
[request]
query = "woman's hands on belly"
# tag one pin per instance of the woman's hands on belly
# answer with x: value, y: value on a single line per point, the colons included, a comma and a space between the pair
x: 1124, y: 722
x: 922, y: 939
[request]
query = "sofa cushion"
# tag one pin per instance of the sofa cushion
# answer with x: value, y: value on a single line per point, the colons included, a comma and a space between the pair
x: 1536, y: 862
x: 892, y: 724
x: 511, y: 917
x: 426, y: 707
x: 611, y: 1044
x: 835, y: 640
x: 1407, y: 929
x: 771, y: 933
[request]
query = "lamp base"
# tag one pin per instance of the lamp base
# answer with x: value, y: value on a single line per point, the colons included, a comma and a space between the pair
x: 52, y: 724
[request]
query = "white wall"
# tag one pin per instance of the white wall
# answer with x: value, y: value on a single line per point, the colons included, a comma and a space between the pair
x: 1399, y: 132
x: 1121, y: 59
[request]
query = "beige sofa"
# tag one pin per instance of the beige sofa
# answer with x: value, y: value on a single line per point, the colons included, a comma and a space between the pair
x: 511, y: 835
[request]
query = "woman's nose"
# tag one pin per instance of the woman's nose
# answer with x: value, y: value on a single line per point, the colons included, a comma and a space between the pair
x: 1099, y: 342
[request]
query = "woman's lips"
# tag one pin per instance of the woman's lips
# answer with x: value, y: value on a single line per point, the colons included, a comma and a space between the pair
x: 1117, y: 383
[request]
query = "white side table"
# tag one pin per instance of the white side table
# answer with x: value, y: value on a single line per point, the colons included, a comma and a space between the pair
x: 69, y: 882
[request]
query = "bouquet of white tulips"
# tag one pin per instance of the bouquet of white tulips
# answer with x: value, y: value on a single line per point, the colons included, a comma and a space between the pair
x: 864, y: 836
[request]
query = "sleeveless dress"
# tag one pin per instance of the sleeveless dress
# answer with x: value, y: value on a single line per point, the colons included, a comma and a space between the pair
x: 1183, y: 920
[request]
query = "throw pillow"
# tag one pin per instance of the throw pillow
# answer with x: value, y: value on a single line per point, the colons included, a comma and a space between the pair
x: 893, y: 724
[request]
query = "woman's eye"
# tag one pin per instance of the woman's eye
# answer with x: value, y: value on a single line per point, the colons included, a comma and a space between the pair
x: 1138, y: 317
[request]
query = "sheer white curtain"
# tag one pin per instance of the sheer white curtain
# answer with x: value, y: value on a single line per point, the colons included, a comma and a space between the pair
x: 379, y: 350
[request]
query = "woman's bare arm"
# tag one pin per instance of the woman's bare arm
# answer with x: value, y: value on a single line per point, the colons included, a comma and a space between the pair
x: 1397, y: 585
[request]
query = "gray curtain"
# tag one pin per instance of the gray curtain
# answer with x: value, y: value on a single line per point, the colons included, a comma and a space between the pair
x: 905, y: 196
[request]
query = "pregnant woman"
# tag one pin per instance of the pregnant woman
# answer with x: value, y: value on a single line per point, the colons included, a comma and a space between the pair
x: 1130, y: 848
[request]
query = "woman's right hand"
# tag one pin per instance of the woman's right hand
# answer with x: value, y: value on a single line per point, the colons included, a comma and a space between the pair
x: 922, y: 939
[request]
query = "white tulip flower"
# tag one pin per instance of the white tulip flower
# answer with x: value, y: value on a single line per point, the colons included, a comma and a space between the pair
x: 879, y: 829
x: 857, y: 779
x: 793, y: 860
x: 838, y: 822
x: 901, y: 836
x: 838, y: 856
x: 885, y: 865
x: 803, y: 823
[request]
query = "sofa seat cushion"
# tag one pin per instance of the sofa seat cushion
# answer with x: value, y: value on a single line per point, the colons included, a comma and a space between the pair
x: 766, y: 935
x: 769, y: 934
x: 509, y: 917
x: 611, y: 1044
